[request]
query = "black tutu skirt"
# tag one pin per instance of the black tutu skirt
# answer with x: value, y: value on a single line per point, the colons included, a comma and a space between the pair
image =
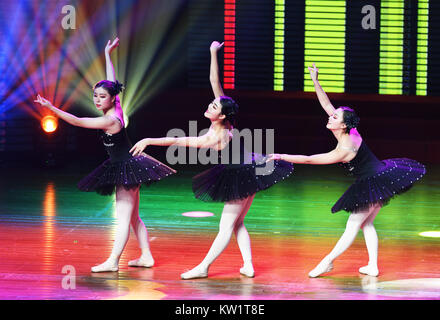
x: 130, y: 173
x: 395, y: 177
x: 223, y: 183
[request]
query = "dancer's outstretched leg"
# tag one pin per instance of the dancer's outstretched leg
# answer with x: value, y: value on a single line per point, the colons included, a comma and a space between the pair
x: 231, y: 212
x: 146, y: 259
x: 354, y: 223
x: 371, y: 242
x: 244, y: 241
x: 125, y: 203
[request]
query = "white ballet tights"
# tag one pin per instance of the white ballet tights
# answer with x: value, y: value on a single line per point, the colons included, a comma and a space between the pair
x: 359, y: 220
x: 242, y: 236
x: 231, y: 221
x: 127, y: 214
x: 139, y: 229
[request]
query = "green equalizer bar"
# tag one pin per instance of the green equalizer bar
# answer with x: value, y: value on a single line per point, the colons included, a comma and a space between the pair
x: 422, y: 47
x: 278, y: 77
x: 325, y: 43
x: 391, y: 46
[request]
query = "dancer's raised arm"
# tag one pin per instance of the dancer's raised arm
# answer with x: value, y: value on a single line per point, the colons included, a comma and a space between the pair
x: 111, y: 75
x: 322, y: 96
x: 109, y: 68
x: 214, y: 77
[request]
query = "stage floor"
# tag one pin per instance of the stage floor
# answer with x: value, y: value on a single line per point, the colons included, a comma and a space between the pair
x: 51, y: 234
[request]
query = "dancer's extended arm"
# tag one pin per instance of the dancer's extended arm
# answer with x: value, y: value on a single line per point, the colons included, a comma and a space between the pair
x: 334, y: 156
x: 104, y: 122
x: 204, y: 141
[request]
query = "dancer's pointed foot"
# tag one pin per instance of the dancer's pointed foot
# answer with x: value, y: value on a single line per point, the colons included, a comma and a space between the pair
x: 248, y: 271
x: 146, y: 262
x: 107, y: 266
x: 369, y: 270
x: 197, y: 272
x: 323, y: 267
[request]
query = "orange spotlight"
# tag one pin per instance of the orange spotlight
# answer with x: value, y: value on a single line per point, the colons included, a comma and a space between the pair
x: 49, y: 124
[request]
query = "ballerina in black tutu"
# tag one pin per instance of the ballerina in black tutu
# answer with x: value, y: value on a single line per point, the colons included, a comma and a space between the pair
x: 235, y: 180
x: 122, y: 172
x: 377, y: 181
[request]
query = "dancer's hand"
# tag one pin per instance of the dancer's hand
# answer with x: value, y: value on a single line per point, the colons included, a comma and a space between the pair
x: 314, y: 72
x: 216, y: 46
x: 44, y: 102
x: 273, y: 156
x: 111, y: 46
x: 139, y: 147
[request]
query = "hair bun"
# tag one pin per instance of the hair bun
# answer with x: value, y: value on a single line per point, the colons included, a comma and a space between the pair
x: 354, y: 123
x: 351, y: 119
x: 118, y: 87
x: 229, y: 109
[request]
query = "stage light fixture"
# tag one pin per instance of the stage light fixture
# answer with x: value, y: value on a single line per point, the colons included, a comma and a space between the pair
x: 49, y: 124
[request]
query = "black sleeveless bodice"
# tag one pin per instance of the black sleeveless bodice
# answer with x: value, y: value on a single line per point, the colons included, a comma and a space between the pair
x: 117, y: 145
x: 364, y: 164
x: 235, y: 153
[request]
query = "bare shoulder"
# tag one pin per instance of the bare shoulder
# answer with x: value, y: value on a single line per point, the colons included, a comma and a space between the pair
x: 216, y: 140
x: 113, y: 124
x: 349, y: 147
x: 213, y: 137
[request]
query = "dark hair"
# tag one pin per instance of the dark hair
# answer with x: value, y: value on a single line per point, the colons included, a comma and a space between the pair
x: 351, y: 119
x: 113, y: 88
x: 229, y: 109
